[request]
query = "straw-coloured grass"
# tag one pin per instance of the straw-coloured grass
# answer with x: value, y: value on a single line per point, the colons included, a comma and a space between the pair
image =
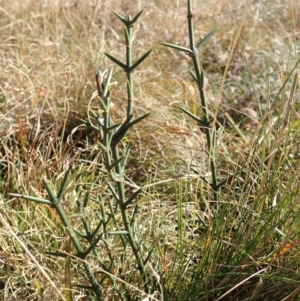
x: 182, y: 242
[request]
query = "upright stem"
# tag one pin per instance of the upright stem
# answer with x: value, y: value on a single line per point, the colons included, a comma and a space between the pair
x: 209, y: 130
x: 61, y: 212
x: 125, y: 218
x: 129, y: 64
x: 116, y: 169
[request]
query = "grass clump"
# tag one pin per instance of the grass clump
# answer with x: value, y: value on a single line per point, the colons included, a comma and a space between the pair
x: 102, y: 201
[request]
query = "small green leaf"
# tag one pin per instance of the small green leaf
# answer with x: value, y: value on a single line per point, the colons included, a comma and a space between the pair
x: 115, y: 163
x: 138, y: 120
x: 124, y: 162
x: 102, y: 106
x: 139, y: 61
x: 113, y: 127
x: 34, y: 199
x: 184, y: 49
x: 80, y: 234
x: 127, y: 36
x: 87, y: 123
x: 200, y: 121
x: 193, y: 75
x: 204, y: 40
x: 64, y: 185
x: 136, y: 17
x: 229, y: 179
x: 85, y: 253
x: 132, y: 197
x: 96, y: 230
x: 202, y: 80
x: 148, y: 257
x: 129, y: 88
x: 121, y: 131
x: 113, y: 191
x: 116, y: 61
x: 103, y: 147
x: 107, y: 84
x: 86, y: 199
x: 121, y: 18
x: 50, y: 192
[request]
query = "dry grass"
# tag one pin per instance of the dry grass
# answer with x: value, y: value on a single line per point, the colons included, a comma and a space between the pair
x: 49, y: 54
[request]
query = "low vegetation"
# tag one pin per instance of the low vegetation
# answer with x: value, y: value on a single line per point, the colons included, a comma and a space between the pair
x: 149, y: 152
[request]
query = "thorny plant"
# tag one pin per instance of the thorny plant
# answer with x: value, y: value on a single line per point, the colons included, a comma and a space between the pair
x: 225, y: 259
x: 205, y: 122
x: 86, y: 242
x: 110, y: 136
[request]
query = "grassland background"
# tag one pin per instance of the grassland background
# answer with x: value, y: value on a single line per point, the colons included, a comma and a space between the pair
x: 50, y: 51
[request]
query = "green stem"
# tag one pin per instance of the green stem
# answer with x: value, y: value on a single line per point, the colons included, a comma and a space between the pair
x: 126, y: 220
x: 129, y: 64
x: 209, y: 131
x: 60, y: 211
